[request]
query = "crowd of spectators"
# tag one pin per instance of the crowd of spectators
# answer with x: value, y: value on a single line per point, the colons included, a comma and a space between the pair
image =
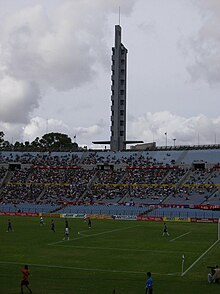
x: 67, y: 178
x: 67, y: 159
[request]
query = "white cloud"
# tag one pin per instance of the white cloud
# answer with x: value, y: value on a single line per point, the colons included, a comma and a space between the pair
x: 39, y: 126
x: 88, y: 132
x: 187, y: 131
x: 148, y: 127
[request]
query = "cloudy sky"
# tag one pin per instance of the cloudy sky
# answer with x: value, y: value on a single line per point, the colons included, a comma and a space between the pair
x: 55, y: 59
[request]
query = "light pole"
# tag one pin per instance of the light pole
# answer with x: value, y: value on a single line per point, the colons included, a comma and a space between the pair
x: 166, y: 139
x: 174, y: 143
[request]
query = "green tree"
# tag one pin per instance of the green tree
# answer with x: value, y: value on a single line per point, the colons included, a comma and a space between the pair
x: 6, y: 145
x: 57, y: 142
x: 36, y: 145
x: 18, y: 146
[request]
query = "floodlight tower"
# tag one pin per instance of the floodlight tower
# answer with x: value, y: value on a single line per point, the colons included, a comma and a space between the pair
x: 118, y: 96
x: 118, y: 140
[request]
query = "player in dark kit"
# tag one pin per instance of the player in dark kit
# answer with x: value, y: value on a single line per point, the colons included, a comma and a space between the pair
x: 165, y: 230
x: 89, y: 223
x: 149, y: 284
x: 52, y: 226
x: 25, y: 281
x: 9, y: 226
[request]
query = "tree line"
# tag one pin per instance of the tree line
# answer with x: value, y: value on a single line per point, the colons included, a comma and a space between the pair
x: 49, y: 142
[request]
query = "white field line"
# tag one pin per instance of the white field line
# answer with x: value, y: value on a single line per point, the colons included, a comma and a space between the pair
x: 84, y: 269
x: 84, y: 235
x: 97, y: 234
x: 179, y: 236
x: 84, y: 231
x: 120, y: 249
x: 198, y: 259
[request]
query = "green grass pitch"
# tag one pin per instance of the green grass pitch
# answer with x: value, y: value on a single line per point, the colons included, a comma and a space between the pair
x: 111, y: 255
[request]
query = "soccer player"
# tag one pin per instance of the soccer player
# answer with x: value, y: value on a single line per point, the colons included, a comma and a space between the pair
x: 9, y: 226
x: 52, y: 226
x: 25, y: 281
x: 89, y: 223
x: 165, y: 230
x: 214, y: 276
x: 85, y: 217
x: 41, y: 221
x: 66, y: 234
x: 149, y: 284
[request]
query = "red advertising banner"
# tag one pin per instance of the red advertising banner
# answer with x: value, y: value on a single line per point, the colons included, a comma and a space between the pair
x: 207, y: 207
x: 150, y: 218
x: 204, y: 220
x: 19, y: 213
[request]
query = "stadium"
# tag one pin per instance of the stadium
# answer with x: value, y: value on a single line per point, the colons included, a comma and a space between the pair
x: 80, y: 220
x: 128, y: 196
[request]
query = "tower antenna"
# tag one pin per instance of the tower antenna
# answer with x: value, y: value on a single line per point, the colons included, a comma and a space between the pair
x: 119, y: 15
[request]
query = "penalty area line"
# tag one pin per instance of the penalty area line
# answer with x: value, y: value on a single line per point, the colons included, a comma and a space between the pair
x: 84, y: 269
x: 198, y: 259
x: 180, y: 236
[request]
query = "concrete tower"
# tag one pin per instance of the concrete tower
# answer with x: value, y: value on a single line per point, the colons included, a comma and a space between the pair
x: 118, y: 97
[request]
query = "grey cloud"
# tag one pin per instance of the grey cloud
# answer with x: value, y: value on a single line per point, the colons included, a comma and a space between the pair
x: 206, y: 44
x: 17, y: 99
x: 61, y: 50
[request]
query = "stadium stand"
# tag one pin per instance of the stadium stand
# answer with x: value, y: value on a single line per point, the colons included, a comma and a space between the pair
x: 106, y: 182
